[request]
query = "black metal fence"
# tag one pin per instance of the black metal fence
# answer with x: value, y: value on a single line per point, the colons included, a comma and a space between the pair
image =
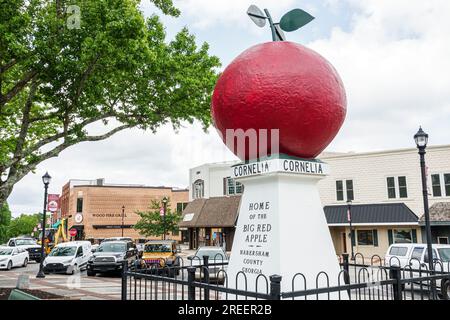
x: 359, y: 279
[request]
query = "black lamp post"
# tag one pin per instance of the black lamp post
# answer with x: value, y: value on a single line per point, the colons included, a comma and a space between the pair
x: 421, y: 139
x: 349, y: 218
x: 164, y: 201
x: 123, y: 215
x: 46, y: 180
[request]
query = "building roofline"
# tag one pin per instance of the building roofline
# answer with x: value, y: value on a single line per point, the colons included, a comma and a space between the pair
x: 131, y: 187
x: 215, y: 164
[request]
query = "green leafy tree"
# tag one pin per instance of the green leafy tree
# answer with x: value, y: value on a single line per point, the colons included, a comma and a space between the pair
x: 64, y: 69
x: 5, y: 220
x: 152, y: 223
x: 23, y: 225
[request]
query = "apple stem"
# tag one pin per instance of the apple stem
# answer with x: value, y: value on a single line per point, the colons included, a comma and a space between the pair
x: 272, y: 26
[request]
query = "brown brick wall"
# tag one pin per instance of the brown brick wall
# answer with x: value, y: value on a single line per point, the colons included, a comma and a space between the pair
x: 108, y: 201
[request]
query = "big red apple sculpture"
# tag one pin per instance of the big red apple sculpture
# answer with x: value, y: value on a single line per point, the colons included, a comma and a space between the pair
x: 281, y: 231
x: 286, y: 86
x: 281, y: 85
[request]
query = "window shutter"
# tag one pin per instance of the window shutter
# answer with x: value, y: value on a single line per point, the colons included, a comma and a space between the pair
x: 390, y: 236
x: 375, y: 238
x: 414, y: 235
x: 224, y: 186
x: 353, y: 238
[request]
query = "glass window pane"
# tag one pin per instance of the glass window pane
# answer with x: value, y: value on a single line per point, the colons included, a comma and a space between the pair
x: 398, y: 251
x: 436, y: 185
x: 79, y: 205
x: 339, y: 190
x: 403, y: 236
x: 365, y: 237
x: 447, y: 184
x: 239, y: 188
x: 417, y: 253
x: 391, y: 187
x: 199, y: 190
x: 402, y: 188
x: 230, y: 185
x: 349, y: 186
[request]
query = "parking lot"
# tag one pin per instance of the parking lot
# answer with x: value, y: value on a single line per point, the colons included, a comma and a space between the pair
x: 77, y: 287
x: 108, y: 287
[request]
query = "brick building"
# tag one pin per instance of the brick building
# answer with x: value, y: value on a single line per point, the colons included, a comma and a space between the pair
x: 94, y: 208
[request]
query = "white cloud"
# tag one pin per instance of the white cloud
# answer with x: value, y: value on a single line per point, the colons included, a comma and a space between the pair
x: 207, y: 13
x: 134, y: 156
x: 395, y: 66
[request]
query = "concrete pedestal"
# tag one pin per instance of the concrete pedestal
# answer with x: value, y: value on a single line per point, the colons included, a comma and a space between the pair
x: 282, y: 229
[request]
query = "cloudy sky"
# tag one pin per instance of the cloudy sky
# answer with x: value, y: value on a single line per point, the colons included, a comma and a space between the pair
x: 393, y: 57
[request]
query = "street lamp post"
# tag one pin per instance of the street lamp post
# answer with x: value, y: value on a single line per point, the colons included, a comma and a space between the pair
x: 349, y: 218
x: 123, y: 215
x: 46, y: 180
x: 164, y: 201
x: 421, y: 139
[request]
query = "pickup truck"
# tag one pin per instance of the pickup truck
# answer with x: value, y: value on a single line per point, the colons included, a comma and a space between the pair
x: 29, y: 244
x: 414, y: 256
x: 110, y: 257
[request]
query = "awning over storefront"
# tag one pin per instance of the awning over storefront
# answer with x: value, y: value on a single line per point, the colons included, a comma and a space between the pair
x: 217, y: 212
x: 439, y: 214
x: 371, y: 214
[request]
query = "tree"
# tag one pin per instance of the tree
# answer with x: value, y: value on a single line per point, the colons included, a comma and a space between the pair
x: 23, y: 225
x: 5, y: 220
x: 64, y: 71
x: 153, y: 223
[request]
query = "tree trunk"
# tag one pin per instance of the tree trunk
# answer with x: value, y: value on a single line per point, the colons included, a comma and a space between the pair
x: 4, y: 194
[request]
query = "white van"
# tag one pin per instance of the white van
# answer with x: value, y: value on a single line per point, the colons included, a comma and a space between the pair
x: 414, y: 256
x: 68, y: 257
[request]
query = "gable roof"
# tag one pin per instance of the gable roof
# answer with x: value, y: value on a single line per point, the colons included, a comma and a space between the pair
x: 385, y: 213
x: 439, y: 214
x: 213, y: 212
x: 191, y: 213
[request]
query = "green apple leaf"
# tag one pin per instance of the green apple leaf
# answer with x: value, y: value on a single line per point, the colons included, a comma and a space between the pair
x: 295, y: 19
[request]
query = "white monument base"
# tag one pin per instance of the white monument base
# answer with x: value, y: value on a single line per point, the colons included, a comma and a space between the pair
x: 282, y: 229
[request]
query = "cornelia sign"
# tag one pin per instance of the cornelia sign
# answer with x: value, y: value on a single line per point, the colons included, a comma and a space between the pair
x: 281, y: 229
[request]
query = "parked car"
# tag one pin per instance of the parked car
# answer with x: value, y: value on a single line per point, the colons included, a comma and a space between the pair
x: 216, y: 255
x: 161, y: 254
x: 94, y: 247
x: 110, y: 256
x: 28, y: 243
x: 11, y: 257
x: 68, y: 257
x: 415, y: 257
